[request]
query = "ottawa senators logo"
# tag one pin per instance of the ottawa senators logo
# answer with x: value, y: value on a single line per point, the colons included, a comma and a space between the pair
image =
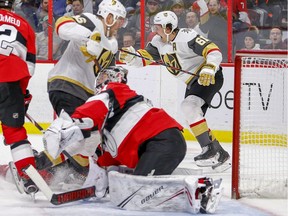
x: 172, y: 60
x: 104, y: 60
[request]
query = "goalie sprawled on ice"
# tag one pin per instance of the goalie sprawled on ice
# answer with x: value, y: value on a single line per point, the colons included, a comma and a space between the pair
x: 132, y: 133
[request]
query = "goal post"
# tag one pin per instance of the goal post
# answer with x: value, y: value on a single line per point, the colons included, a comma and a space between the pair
x: 260, y: 150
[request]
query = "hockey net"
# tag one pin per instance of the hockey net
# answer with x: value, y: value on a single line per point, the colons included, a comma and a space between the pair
x: 260, y: 150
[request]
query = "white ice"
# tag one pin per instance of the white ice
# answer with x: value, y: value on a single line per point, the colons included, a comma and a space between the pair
x: 13, y: 203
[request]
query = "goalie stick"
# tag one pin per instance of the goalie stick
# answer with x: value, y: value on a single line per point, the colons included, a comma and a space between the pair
x: 159, y: 63
x: 59, y: 198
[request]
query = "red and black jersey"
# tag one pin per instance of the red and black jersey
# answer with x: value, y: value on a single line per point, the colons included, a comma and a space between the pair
x: 17, y: 47
x: 131, y: 122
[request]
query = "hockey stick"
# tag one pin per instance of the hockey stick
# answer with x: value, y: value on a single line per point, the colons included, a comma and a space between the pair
x: 38, y: 126
x: 159, y: 63
x: 59, y: 198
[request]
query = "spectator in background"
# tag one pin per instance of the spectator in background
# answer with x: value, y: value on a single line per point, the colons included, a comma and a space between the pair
x: 272, y: 11
x: 42, y: 11
x: 177, y: 7
x: 276, y: 39
x: 42, y: 42
x: 77, y: 8
x: 129, y: 39
x: 134, y: 24
x: 214, y: 24
x: 88, y: 6
x: 28, y: 10
x: 192, y: 21
x: 59, y: 8
x: 241, y: 22
x: 251, y: 39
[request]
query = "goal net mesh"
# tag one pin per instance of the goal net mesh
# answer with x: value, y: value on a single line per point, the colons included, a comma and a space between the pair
x: 262, y: 147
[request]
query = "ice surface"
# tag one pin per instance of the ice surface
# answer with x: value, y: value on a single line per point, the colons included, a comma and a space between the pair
x: 13, y: 203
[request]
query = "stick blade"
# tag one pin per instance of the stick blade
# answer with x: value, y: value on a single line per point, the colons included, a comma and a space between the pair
x: 71, y: 196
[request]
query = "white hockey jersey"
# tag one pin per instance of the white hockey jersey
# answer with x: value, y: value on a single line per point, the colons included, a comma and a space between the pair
x: 72, y: 74
x: 188, y: 51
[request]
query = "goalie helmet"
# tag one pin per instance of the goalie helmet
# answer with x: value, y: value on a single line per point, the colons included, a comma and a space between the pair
x: 111, y: 74
x: 111, y: 6
x: 6, y: 3
x: 166, y: 17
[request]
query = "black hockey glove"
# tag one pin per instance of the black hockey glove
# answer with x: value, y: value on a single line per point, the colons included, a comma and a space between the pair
x: 27, y: 100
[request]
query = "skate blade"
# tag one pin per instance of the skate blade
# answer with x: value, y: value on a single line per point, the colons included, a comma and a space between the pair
x: 208, y: 162
x: 221, y: 167
x: 16, y: 178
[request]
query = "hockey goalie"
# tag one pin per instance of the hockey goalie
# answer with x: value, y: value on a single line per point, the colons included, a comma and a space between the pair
x: 133, y: 134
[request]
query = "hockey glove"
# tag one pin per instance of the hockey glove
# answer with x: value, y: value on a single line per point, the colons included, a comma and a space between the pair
x: 125, y: 57
x: 207, y: 75
x: 27, y: 100
x: 93, y: 48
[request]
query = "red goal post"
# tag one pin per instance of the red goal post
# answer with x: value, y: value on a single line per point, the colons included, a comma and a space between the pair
x: 260, y: 150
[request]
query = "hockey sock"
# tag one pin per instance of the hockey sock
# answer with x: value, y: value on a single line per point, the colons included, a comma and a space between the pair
x: 201, y: 132
x: 22, y: 155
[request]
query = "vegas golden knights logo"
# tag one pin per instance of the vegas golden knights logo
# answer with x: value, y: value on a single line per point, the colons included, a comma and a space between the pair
x: 104, y: 60
x: 172, y: 60
x: 113, y: 2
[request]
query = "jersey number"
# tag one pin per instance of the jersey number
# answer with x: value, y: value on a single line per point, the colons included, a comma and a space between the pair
x: 201, y: 40
x: 8, y: 35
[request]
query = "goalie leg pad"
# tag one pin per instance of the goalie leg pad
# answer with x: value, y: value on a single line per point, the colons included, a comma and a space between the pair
x: 151, y: 193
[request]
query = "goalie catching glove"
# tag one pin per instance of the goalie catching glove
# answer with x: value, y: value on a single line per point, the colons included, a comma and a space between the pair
x: 93, y: 48
x: 64, y: 131
x: 207, y: 75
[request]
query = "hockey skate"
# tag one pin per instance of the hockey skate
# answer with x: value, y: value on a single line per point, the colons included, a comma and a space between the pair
x: 213, y: 156
x: 22, y: 184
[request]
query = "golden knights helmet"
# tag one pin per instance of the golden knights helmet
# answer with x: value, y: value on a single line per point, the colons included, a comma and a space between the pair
x: 111, y: 6
x: 166, y: 17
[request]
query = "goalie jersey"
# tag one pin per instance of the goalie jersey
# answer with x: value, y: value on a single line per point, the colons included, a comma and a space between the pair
x: 188, y: 51
x: 72, y: 74
x: 131, y: 122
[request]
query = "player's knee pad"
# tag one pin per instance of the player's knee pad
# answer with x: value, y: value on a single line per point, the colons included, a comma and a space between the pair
x: 191, y: 107
x: 13, y: 134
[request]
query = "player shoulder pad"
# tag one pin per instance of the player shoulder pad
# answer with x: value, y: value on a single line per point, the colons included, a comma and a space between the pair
x: 62, y: 20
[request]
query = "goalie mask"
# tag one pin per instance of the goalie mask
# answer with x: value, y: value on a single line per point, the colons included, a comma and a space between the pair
x: 111, y: 74
x: 6, y: 3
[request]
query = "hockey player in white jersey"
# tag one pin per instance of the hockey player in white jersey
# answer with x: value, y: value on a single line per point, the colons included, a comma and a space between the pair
x: 92, y: 46
x: 188, y: 51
